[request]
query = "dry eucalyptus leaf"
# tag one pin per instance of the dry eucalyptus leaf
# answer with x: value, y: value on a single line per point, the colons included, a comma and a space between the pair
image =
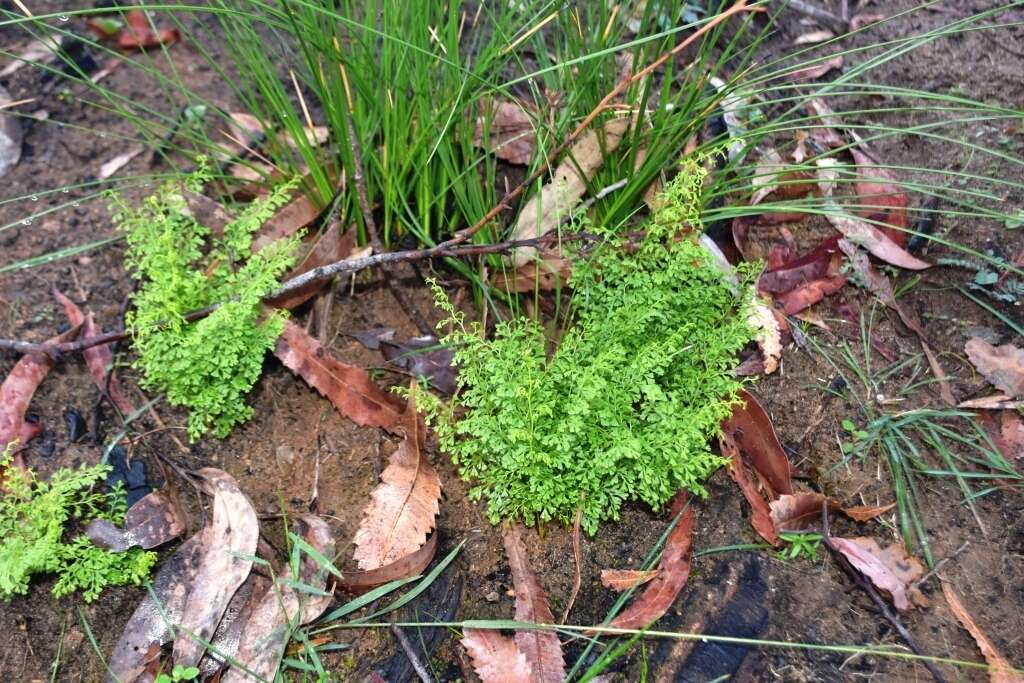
x: 152, y: 521
x: 1002, y: 366
x: 620, y: 580
x: 511, y: 134
x: 889, y: 569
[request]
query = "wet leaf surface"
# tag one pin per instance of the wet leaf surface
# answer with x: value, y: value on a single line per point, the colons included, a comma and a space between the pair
x: 890, y: 569
x: 760, y: 513
x: 152, y: 521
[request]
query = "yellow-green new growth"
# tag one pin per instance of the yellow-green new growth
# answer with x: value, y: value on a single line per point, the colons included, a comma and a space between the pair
x: 211, y: 364
x: 624, y: 408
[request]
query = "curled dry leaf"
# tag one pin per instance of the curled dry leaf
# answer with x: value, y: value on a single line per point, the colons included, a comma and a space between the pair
x: 496, y: 658
x: 152, y: 521
x: 673, y: 571
x: 1002, y: 366
x: 402, y: 568
x: 98, y: 359
x: 349, y: 388
x: 997, y: 402
x: 17, y: 389
x: 511, y: 133
x: 542, y: 648
x: 1002, y: 671
x: 760, y: 514
x: 752, y: 431
x: 228, y: 547
x: 620, y: 580
x: 555, y: 201
x: 405, y: 503
x: 159, y: 609
x: 809, y: 73
x: 268, y: 627
x: 890, y: 570
x: 793, y: 512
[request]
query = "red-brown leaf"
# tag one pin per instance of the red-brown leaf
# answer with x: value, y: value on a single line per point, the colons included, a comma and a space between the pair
x: 1002, y: 366
x: 332, y: 245
x: 349, y: 388
x: 98, y: 359
x: 138, y: 34
x: 496, y: 658
x: 17, y: 389
x: 886, y: 202
x: 792, y: 512
x: 620, y: 580
x: 1002, y: 671
x: 754, y: 435
x: 542, y: 648
x: 289, y: 219
x: 760, y: 514
x: 405, y: 503
x: 673, y: 571
x: 890, y: 570
x: 228, y: 546
x: 807, y: 295
x: 357, y: 582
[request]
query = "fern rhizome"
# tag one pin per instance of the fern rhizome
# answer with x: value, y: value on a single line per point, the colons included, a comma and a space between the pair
x: 211, y: 364
x: 625, y: 407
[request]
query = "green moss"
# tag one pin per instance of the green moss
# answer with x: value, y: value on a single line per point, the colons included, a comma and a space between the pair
x: 34, y: 515
x: 624, y: 408
x: 210, y: 365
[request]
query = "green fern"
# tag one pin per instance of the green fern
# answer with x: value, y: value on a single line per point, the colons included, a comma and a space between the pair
x: 211, y: 364
x: 34, y: 516
x: 624, y: 408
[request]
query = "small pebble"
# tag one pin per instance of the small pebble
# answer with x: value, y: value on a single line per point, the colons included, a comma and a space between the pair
x: 492, y: 596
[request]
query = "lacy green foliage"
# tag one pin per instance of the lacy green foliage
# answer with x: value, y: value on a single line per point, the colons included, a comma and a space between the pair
x: 211, y: 364
x: 33, y: 519
x: 624, y: 408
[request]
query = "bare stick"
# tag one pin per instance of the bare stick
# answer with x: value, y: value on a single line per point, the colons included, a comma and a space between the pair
x: 868, y: 588
x: 414, y: 658
x: 821, y: 15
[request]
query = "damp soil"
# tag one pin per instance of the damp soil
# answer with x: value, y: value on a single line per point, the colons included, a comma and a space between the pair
x: 297, y: 442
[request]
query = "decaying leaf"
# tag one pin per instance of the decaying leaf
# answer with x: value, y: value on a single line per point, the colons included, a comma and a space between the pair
x: 496, y: 658
x: 511, y: 134
x: 793, y: 512
x: 1002, y: 366
x: 883, y: 200
x: 806, y: 295
x: 289, y: 219
x: 349, y: 388
x: 424, y: 357
x: 330, y: 246
x: 36, y: 53
x: 760, y: 513
x: 98, y: 359
x: 10, y: 135
x: 809, y: 73
x: 754, y: 435
x: 544, y: 273
x: 152, y: 521
x: 228, y: 635
x: 268, y: 628
x: 1002, y: 671
x: 891, y: 569
x: 402, y: 568
x: 17, y: 389
x: 159, y: 608
x: 226, y: 558
x: 556, y: 199
x: 673, y: 571
x: 405, y: 503
x: 620, y: 580
x: 542, y: 648
x: 767, y: 334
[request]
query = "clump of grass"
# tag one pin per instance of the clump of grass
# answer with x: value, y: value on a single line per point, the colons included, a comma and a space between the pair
x: 34, y: 515
x: 207, y: 365
x: 623, y: 409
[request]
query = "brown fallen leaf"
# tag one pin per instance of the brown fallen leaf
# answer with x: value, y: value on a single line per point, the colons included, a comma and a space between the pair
x: 620, y: 580
x: 793, y: 512
x: 511, y: 133
x: 226, y: 558
x: 824, y: 123
x: 760, y: 513
x: 996, y: 402
x: 1002, y: 671
x: 1002, y: 366
x: 1011, y: 433
x: 153, y: 619
x: 16, y: 394
x: 545, y: 273
x: 152, y: 521
x: 357, y: 582
x: 890, y: 570
x: 809, y: 73
x: 403, y: 506
x: 229, y: 631
x: 98, y: 359
x: 767, y: 334
x: 138, y: 33
x: 883, y: 200
x: 806, y: 295
x: 754, y: 435
x: 289, y: 219
x: 496, y: 658
x: 267, y: 630
x: 349, y: 388
x: 543, y: 650
x: 673, y: 571
x: 556, y: 199
x: 330, y: 246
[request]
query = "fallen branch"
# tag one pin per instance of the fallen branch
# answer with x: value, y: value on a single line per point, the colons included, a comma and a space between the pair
x: 324, y: 272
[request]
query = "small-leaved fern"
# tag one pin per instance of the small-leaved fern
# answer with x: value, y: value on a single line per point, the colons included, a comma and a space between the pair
x: 34, y: 515
x: 625, y: 406
x: 211, y: 364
